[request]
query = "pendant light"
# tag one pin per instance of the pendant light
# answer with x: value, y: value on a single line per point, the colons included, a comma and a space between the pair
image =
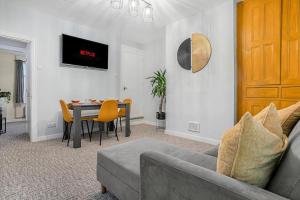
x: 134, y: 7
x: 148, y: 13
x: 116, y: 4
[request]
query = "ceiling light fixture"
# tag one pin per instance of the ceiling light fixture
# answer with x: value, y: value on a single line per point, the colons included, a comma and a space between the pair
x: 134, y: 8
x: 116, y: 4
x: 148, y: 13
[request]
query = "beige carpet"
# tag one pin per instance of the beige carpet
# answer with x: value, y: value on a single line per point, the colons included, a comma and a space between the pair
x: 51, y: 170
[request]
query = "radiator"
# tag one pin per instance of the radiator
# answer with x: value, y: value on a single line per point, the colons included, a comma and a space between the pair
x: 20, y: 111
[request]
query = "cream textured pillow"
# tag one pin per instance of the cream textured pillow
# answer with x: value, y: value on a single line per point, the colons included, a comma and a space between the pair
x: 270, y: 119
x: 289, y: 117
x: 249, y: 152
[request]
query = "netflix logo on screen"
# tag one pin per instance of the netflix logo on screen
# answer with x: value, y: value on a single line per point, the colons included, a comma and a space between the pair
x: 87, y: 53
x: 81, y: 52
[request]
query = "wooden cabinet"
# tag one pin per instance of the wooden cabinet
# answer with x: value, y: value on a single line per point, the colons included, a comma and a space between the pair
x: 254, y: 106
x: 268, y: 34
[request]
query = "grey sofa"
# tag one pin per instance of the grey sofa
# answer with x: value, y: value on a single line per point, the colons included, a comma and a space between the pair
x: 151, y: 170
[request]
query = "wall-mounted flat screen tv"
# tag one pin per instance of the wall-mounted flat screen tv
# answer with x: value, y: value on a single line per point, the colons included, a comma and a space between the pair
x: 77, y: 51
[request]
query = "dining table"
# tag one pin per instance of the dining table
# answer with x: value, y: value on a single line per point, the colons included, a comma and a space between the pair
x: 77, y: 113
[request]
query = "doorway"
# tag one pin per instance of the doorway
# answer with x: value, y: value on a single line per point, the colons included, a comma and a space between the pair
x: 132, y: 78
x: 12, y: 76
x: 16, y: 66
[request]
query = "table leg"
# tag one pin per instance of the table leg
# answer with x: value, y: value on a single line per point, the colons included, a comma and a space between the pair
x: 127, y: 126
x: 77, y: 124
x: 64, y: 130
x: 0, y: 121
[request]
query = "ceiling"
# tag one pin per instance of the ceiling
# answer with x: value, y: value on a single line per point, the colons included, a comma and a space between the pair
x: 98, y: 13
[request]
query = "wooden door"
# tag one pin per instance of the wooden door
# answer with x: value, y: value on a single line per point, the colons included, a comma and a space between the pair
x: 268, y: 54
x: 291, y: 42
x: 240, y: 39
x: 290, y: 55
x: 262, y: 23
x: 259, y: 38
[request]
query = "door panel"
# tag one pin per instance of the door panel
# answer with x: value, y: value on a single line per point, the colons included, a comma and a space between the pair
x: 261, y: 92
x: 290, y: 42
x: 287, y: 103
x: 254, y: 106
x: 290, y: 92
x: 262, y: 26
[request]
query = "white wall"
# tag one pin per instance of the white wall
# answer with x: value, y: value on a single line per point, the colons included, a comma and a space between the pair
x: 54, y: 81
x: 208, y: 96
x: 154, y: 60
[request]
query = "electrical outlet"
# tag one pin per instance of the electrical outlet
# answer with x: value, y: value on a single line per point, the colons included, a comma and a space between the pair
x: 194, y: 127
x: 52, y: 125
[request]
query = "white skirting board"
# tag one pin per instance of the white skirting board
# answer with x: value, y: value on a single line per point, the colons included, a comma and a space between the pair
x: 137, y: 122
x: 59, y: 135
x: 192, y: 137
x: 149, y: 123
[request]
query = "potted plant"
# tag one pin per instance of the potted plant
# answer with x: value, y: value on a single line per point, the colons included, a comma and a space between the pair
x: 4, y: 97
x: 159, y: 85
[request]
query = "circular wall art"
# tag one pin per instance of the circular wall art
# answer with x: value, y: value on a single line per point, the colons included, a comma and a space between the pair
x: 194, y: 53
x: 184, y: 54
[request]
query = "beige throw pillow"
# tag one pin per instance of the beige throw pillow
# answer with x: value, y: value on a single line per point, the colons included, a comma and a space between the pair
x: 289, y: 117
x: 270, y: 119
x: 249, y: 152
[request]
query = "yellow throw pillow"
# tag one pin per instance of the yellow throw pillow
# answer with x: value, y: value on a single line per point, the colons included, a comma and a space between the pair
x: 289, y: 117
x: 270, y: 119
x: 249, y: 152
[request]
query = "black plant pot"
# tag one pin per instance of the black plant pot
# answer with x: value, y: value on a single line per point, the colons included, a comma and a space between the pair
x: 160, y: 116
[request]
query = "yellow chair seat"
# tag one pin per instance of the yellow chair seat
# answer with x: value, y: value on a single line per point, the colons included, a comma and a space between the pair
x: 96, y: 120
x: 122, y: 111
x: 121, y: 115
x: 101, y: 120
x: 88, y: 118
x: 84, y: 118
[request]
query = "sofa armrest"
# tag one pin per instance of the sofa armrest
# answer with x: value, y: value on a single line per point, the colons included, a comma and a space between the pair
x: 213, y: 151
x: 165, y: 177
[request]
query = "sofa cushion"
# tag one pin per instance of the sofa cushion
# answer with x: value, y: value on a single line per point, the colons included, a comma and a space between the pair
x: 286, y: 180
x: 249, y: 152
x: 123, y: 161
x: 289, y: 117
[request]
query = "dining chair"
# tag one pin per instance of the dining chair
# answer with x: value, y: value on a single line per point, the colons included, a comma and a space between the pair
x: 108, y: 113
x: 122, y: 111
x: 68, y: 121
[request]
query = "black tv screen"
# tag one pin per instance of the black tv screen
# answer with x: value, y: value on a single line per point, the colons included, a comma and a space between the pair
x: 77, y: 51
